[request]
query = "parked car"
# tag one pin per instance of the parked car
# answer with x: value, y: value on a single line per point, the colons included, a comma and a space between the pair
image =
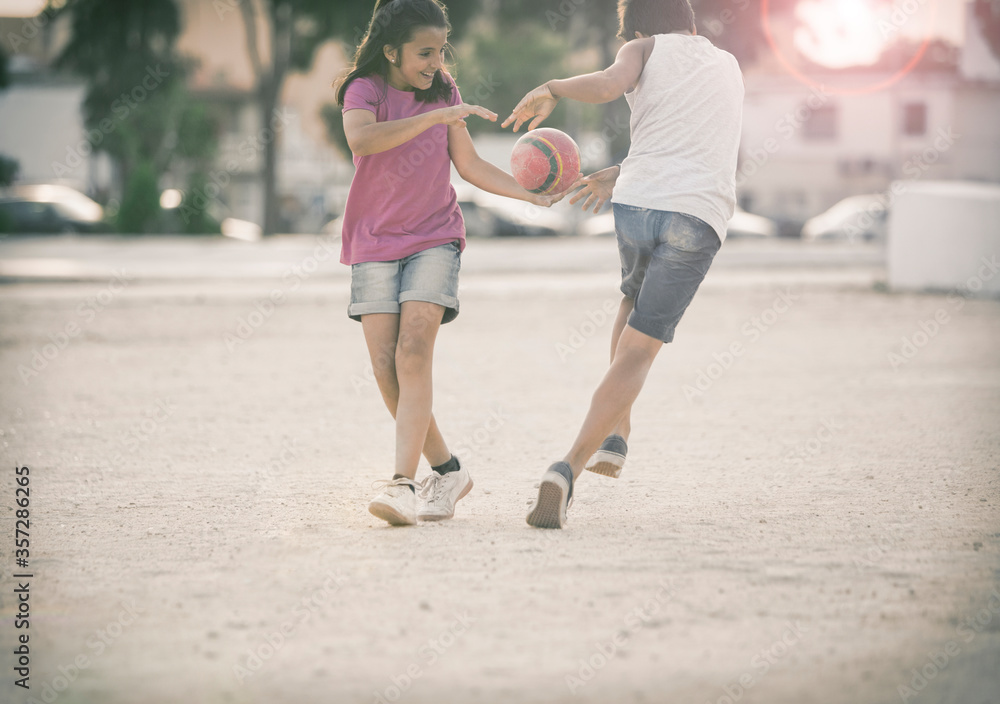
x: 489, y: 215
x: 742, y: 224
x: 48, y: 209
x: 857, y: 218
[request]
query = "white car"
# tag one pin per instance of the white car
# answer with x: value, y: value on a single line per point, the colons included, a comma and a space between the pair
x: 742, y: 224
x: 858, y: 218
x: 489, y: 215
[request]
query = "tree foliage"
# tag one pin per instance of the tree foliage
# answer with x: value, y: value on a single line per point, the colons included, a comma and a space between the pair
x: 9, y: 169
x: 987, y: 13
x: 136, y: 108
x: 497, y: 69
x: 140, y: 208
x: 4, y: 74
x: 125, y: 51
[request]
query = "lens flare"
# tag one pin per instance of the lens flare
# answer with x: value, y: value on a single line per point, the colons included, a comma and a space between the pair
x: 838, y: 33
x: 879, y: 84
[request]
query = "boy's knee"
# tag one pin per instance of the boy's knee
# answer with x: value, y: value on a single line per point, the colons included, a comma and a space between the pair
x: 636, y: 348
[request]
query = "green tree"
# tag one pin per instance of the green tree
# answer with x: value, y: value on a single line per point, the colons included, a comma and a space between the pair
x: 4, y: 74
x: 197, y: 144
x: 140, y: 208
x: 987, y: 13
x: 581, y: 26
x: 9, y: 169
x: 125, y: 51
x: 136, y: 108
x: 499, y: 67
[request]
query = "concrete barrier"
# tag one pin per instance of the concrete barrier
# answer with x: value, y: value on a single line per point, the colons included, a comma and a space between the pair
x: 945, y: 235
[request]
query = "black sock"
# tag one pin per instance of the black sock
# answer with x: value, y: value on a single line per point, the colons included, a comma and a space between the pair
x: 401, y: 476
x: 451, y: 465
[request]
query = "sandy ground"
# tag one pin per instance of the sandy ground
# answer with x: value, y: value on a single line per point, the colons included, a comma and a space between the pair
x: 803, y: 517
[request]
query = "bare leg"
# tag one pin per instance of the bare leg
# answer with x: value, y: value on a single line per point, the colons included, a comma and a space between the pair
x: 624, y: 425
x: 382, y: 335
x: 418, y: 326
x: 615, y: 394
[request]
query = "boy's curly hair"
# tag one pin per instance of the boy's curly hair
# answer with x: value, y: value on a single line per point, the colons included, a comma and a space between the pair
x: 654, y: 17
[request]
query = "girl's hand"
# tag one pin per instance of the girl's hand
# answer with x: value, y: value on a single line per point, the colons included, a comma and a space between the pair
x: 537, y: 104
x: 597, y: 188
x: 455, y: 115
x: 548, y: 201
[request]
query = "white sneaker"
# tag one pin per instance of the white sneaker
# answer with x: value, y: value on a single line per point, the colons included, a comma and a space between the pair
x: 397, y: 503
x: 555, y: 495
x: 610, y: 458
x: 440, y: 492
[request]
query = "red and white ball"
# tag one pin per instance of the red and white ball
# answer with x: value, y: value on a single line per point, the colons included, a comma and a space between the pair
x: 545, y: 161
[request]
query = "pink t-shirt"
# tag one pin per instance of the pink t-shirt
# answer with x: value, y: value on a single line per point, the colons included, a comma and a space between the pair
x: 401, y: 201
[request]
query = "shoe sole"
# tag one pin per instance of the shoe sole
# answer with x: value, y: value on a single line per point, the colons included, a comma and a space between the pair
x: 435, y: 517
x: 608, y: 464
x: 389, y: 514
x: 550, y: 509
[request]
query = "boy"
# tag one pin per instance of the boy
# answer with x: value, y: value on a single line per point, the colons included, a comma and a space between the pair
x: 672, y: 198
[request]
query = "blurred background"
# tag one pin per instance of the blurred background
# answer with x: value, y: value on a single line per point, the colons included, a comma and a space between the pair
x: 218, y: 117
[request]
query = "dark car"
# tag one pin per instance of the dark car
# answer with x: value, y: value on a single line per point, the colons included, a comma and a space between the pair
x: 48, y: 209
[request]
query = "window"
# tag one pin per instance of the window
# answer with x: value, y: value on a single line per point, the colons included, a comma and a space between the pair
x: 821, y: 123
x: 915, y: 119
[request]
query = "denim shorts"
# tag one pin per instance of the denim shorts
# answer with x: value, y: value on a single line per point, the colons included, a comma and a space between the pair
x: 430, y: 276
x: 665, y: 257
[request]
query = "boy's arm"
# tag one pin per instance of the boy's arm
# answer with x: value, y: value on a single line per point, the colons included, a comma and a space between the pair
x: 484, y: 175
x: 601, y: 87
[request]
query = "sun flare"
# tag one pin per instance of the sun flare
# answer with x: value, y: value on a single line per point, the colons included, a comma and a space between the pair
x: 839, y: 33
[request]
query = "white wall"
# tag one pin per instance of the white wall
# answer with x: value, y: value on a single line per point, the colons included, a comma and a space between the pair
x: 41, y: 126
x: 945, y: 235
x: 800, y: 177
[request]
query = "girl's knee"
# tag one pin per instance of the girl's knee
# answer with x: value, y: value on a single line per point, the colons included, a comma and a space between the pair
x: 384, y: 363
x: 413, y: 354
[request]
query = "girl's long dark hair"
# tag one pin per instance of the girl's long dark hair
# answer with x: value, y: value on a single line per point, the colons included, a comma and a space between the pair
x: 393, y: 23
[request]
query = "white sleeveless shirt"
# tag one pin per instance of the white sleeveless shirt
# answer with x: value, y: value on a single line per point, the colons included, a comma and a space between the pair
x: 687, y: 112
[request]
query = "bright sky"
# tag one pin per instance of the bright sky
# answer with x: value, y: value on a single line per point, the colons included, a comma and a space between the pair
x: 21, y: 8
x: 842, y: 33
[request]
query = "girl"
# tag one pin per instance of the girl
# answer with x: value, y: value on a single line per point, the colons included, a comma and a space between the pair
x: 403, y: 232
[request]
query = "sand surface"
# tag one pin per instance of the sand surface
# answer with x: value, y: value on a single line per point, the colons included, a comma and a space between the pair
x: 801, y: 521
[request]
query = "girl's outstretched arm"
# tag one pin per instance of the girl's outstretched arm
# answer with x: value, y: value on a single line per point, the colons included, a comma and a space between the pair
x: 484, y: 175
x: 366, y: 136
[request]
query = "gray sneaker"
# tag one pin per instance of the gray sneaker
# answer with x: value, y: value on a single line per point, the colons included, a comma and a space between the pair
x: 397, y: 503
x: 609, y: 458
x: 440, y: 492
x: 555, y: 494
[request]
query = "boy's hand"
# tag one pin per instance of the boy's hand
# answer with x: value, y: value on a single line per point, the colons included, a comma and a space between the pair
x: 456, y: 114
x: 537, y: 104
x: 597, y: 187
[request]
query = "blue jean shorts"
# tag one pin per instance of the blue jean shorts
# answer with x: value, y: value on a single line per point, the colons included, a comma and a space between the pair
x: 665, y: 257
x: 430, y: 276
